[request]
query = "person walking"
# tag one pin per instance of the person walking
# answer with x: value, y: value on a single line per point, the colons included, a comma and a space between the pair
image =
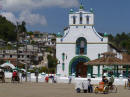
x: 70, y: 79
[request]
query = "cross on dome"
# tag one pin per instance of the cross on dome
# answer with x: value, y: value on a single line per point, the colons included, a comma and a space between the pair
x: 81, y: 4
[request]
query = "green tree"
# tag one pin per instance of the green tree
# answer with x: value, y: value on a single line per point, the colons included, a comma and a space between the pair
x: 8, y: 29
x: 121, y: 41
x: 52, y: 61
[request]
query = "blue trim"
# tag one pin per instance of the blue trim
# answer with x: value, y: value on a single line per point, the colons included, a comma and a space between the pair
x: 97, y: 34
x: 65, y: 35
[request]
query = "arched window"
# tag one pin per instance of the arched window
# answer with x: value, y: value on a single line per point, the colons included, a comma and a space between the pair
x: 81, y: 46
x: 87, y: 19
x: 81, y: 18
x: 74, y: 19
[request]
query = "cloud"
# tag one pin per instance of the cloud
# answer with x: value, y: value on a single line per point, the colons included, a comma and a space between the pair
x: 28, y: 17
x: 24, y: 8
x: 9, y: 16
x: 32, y: 19
x: 16, y: 5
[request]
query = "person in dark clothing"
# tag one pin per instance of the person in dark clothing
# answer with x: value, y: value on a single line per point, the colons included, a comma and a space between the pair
x: 23, y: 74
x: 90, y: 87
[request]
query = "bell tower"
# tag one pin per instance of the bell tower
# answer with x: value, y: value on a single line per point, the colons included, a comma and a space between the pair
x: 81, y: 18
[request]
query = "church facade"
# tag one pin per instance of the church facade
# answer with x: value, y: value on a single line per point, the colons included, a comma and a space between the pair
x: 79, y: 44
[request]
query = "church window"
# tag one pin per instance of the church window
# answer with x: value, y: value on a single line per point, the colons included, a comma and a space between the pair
x: 81, y: 18
x: 74, y: 19
x: 81, y: 46
x: 63, y: 56
x: 87, y: 18
x: 63, y: 66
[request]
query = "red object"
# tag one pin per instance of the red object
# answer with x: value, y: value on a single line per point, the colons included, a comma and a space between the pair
x: 46, y: 79
x: 101, y: 86
x: 14, y: 74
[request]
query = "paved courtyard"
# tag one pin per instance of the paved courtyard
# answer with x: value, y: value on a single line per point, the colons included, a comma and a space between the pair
x: 51, y: 90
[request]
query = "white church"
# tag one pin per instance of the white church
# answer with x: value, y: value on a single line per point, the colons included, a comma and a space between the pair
x: 79, y: 44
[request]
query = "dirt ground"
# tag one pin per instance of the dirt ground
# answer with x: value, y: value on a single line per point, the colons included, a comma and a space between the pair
x: 51, y: 90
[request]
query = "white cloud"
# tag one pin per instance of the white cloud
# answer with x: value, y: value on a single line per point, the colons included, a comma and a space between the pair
x: 16, y: 5
x: 9, y: 16
x: 28, y: 17
x: 25, y: 7
x: 32, y: 19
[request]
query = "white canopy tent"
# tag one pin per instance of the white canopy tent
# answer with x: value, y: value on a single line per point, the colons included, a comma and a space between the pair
x: 8, y: 64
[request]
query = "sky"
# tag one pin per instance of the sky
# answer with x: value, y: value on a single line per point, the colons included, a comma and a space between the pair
x: 111, y: 16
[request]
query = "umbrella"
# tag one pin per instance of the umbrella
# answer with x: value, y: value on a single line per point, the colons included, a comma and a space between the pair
x: 16, y: 68
x: 23, y: 70
x: 107, y: 68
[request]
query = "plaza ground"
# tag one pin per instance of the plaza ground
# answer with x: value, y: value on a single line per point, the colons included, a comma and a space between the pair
x: 30, y: 89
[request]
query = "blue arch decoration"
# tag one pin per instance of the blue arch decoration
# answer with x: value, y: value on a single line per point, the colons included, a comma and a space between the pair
x: 74, y: 61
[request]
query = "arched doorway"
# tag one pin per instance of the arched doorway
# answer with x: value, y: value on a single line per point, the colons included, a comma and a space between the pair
x: 77, y: 66
x: 81, y: 70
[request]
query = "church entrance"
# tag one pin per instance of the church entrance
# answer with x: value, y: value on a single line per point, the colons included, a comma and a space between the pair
x: 81, y: 70
x: 78, y: 68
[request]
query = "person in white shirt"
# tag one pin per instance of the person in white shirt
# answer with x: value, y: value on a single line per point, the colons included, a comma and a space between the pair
x: 78, y: 86
x: 85, y: 86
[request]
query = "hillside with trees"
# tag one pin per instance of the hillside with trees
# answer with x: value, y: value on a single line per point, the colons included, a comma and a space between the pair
x: 8, y: 30
x: 121, y: 41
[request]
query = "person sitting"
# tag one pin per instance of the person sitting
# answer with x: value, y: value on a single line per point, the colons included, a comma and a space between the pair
x: 105, y: 80
x: 111, y: 81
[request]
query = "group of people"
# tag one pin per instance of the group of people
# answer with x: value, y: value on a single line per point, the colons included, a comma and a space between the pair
x: 52, y: 78
x: 84, y: 86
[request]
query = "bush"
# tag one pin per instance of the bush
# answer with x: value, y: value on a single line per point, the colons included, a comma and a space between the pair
x: 43, y: 69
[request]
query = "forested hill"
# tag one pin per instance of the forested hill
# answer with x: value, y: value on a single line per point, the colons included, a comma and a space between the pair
x: 8, y: 29
x: 121, y: 41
